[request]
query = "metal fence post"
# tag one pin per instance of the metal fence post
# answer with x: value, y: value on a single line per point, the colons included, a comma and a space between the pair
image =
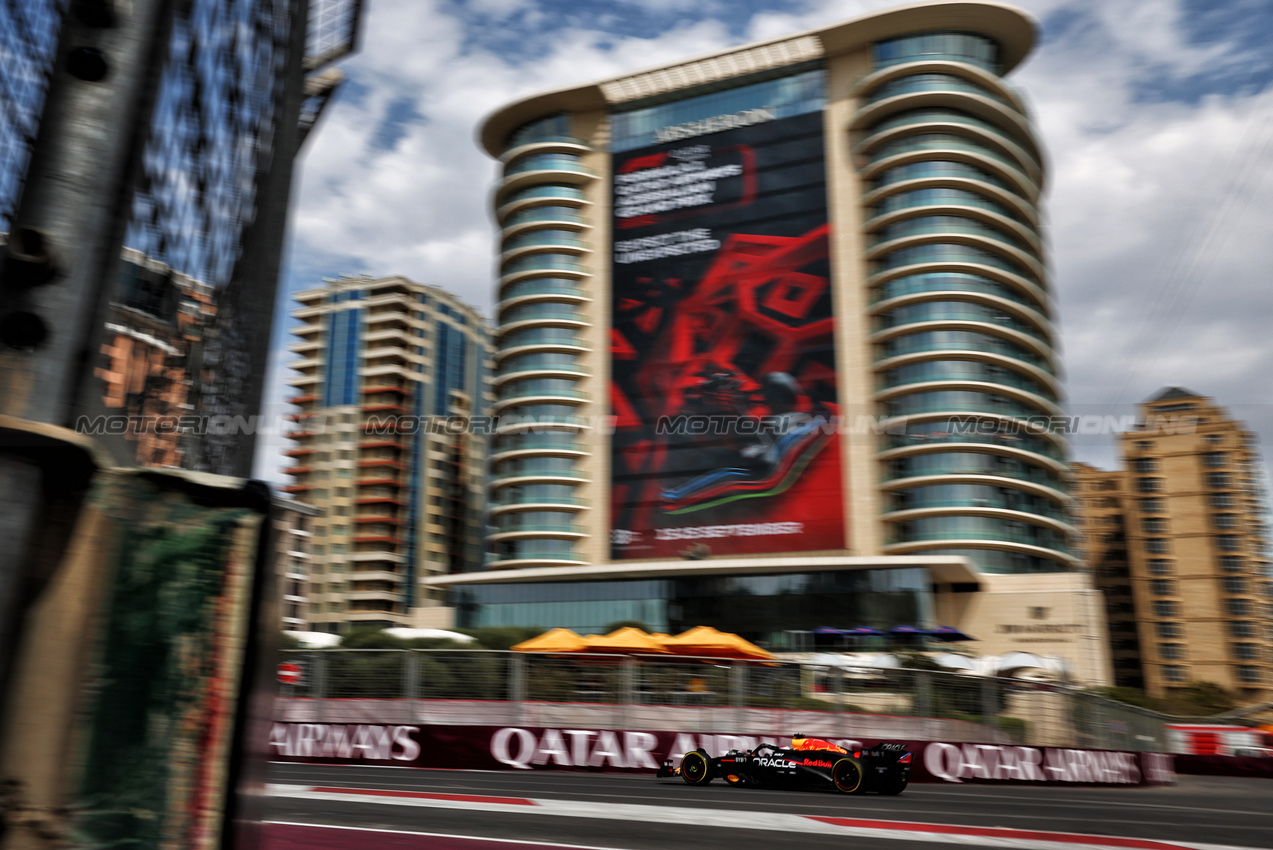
x: 989, y: 710
x: 320, y: 686
x: 412, y: 683
x: 517, y: 685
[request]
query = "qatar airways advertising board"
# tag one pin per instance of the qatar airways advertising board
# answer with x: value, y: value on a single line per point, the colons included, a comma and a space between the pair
x: 628, y: 751
x: 723, y: 376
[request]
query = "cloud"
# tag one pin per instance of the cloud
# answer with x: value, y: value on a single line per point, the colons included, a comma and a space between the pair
x: 1156, y: 124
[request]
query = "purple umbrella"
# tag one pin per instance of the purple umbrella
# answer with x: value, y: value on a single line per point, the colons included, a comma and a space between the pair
x: 947, y: 633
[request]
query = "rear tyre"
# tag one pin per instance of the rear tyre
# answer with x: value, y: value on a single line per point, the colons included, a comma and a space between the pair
x: 893, y: 786
x: 695, y: 769
x: 846, y: 775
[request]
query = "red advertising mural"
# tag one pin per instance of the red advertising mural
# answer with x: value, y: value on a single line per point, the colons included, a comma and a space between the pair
x: 610, y: 750
x: 723, y: 382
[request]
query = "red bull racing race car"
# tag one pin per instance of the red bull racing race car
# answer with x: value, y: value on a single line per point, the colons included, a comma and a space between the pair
x: 809, y: 764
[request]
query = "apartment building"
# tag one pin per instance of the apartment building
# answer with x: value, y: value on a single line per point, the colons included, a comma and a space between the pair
x: 390, y: 373
x: 1192, y: 566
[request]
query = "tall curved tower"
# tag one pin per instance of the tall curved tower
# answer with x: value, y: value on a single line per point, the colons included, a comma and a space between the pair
x: 963, y: 361
x: 774, y: 341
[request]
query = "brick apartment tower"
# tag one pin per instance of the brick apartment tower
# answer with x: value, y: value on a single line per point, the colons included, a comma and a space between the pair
x: 1178, y: 542
x: 399, y: 503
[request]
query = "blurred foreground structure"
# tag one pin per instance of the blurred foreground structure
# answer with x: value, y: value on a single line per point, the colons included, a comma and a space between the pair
x: 131, y: 601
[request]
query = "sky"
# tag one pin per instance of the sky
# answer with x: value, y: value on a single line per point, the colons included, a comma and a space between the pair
x: 1156, y: 117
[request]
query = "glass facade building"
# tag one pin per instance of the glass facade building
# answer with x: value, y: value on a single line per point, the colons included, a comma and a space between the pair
x: 384, y: 364
x: 758, y: 607
x: 785, y: 240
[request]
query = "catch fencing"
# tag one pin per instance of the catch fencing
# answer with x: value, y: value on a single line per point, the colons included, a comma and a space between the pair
x: 707, y: 695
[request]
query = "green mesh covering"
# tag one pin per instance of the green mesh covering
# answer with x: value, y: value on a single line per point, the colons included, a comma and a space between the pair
x: 159, y: 716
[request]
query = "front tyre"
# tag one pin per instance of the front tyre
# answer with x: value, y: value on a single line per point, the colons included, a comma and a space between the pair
x: 846, y: 775
x: 695, y: 769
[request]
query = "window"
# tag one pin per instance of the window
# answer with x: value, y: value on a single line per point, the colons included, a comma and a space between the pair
x: 1145, y: 464
x: 1161, y: 587
x: 1168, y: 630
x: 1143, y: 445
x: 1164, y: 608
x: 1221, y: 500
x: 1218, y: 480
x: 1237, y: 607
x: 1148, y: 485
x: 1231, y: 563
x: 1171, y: 651
x: 342, y: 492
x: 1249, y: 675
x: 1154, y: 524
x: 320, y: 531
x: 1245, y: 651
x: 1242, y: 629
x: 1159, y: 567
x: 341, y: 510
x: 1213, y: 439
x: 1215, y: 460
x: 320, y: 550
x: 344, y: 473
x: 1228, y: 542
x: 1225, y: 520
x: 1173, y: 673
x: 339, y: 548
x: 1151, y: 506
x: 1158, y: 545
x: 1234, y: 584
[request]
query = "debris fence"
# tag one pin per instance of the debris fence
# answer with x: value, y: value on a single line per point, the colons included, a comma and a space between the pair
x: 707, y: 695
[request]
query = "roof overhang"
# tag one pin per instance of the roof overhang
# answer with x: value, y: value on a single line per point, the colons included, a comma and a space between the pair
x: 945, y: 569
x: 1012, y: 28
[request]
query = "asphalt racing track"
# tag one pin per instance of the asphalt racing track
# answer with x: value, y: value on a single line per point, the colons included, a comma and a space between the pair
x: 337, y: 807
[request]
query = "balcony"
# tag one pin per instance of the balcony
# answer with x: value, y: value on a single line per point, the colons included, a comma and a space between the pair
x: 379, y: 482
x: 384, y: 461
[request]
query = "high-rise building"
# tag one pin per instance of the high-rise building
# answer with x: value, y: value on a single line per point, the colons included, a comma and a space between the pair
x: 787, y: 302
x: 1178, y: 541
x: 390, y: 377
x: 293, y: 553
x: 1101, y: 500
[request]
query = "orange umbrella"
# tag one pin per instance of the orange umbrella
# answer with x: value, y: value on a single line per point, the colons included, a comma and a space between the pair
x: 557, y: 640
x: 627, y: 639
x: 704, y: 640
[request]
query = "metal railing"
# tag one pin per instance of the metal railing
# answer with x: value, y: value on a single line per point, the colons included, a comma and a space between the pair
x: 489, y: 687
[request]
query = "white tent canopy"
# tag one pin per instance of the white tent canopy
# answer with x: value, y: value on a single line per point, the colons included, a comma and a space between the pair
x: 315, y: 640
x: 412, y: 634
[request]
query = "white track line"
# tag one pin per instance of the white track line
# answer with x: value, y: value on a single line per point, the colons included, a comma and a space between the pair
x: 734, y: 819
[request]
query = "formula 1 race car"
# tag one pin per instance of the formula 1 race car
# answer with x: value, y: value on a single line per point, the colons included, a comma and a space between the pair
x: 809, y: 764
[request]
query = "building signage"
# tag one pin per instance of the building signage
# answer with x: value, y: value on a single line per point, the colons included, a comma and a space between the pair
x: 713, y: 125
x: 723, y: 380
